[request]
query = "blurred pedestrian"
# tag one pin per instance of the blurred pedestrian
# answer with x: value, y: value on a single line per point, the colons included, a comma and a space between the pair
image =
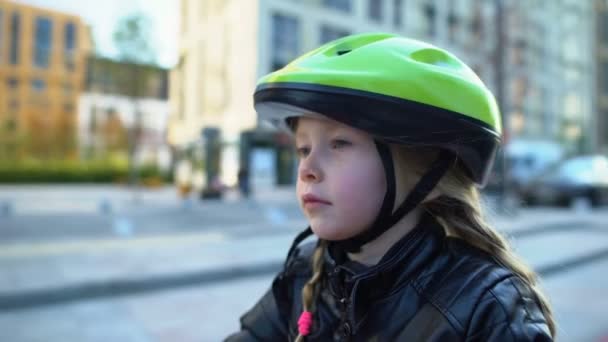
x: 394, y: 138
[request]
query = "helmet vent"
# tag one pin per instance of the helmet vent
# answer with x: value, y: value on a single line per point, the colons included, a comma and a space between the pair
x: 347, y: 44
x: 434, y: 57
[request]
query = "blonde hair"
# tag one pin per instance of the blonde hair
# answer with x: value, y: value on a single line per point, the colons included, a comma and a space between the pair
x: 458, y: 209
x: 312, y: 287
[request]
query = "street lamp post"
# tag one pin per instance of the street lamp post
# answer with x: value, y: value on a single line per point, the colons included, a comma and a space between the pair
x: 499, y: 63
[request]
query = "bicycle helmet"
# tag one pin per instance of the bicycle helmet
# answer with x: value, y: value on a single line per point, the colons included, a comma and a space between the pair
x: 400, y: 91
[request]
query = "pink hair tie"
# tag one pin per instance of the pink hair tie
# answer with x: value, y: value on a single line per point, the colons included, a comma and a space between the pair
x: 304, y: 323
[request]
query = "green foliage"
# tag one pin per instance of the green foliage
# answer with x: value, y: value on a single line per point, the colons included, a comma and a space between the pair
x: 132, y: 39
x: 73, y: 172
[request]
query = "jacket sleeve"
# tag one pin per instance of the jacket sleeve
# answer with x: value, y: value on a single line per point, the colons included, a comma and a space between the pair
x: 508, y: 311
x: 262, y: 323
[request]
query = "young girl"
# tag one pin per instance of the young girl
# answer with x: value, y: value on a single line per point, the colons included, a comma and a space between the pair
x: 394, y: 138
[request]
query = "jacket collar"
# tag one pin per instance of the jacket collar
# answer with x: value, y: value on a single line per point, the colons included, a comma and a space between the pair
x: 403, y: 261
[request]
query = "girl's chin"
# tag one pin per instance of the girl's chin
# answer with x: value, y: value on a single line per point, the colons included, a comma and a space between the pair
x: 331, y: 233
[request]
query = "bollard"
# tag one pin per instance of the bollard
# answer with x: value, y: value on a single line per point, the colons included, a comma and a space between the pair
x: 5, y: 209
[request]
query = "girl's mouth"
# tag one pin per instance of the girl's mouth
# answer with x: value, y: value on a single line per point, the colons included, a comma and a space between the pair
x: 311, y: 201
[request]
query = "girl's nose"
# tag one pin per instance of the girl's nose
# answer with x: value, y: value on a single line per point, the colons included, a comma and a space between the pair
x: 309, y: 171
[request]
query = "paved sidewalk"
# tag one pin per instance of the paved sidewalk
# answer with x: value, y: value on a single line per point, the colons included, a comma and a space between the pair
x: 94, y: 199
x: 208, y: 312
x: 32, y: 273
x: 194, y: 266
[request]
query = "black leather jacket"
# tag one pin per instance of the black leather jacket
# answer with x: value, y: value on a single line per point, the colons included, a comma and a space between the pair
x: 428, y: 287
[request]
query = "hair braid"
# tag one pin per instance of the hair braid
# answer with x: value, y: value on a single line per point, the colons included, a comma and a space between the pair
x: 311, y: 289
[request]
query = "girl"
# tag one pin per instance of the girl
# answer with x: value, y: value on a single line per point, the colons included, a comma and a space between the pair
x: 394, y: 137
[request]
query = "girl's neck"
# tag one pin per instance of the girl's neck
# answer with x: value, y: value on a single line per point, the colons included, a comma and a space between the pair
x: 373, y: 251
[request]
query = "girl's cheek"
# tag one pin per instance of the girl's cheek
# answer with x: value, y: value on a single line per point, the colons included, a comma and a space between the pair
x: 350, y: 186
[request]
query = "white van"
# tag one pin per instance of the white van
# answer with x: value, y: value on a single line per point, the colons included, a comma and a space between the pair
x: 528, y: 158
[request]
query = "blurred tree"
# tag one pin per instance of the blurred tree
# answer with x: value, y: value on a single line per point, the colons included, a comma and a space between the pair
x: 132, y: 39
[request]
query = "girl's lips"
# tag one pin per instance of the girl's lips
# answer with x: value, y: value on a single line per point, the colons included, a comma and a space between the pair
x: 309, y: 200
x: 314, y: 205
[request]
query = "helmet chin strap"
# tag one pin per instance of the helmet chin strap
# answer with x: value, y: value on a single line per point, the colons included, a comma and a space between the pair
x: 386, y: 217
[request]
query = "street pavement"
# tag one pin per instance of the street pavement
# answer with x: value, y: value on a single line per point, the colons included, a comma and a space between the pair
x: 99, y: 264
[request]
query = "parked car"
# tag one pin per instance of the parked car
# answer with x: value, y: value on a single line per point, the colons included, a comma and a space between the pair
x: 528, y: 158
x: 582, y: 179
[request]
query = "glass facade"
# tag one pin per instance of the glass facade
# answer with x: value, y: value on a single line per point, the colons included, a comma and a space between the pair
x: 285, y: 39
x: 374, y: 9
x: 12, y: 83
x: 1, y: 36
x: 398, y: 13
x: 42, y: 42
x: 430, y: 14
x: 329, y: 33
x: 15, y: 32
x: 38, y: 85
x: 70, y: 45
x: 342, y: 5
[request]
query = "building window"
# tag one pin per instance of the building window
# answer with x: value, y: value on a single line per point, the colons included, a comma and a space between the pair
x: 604, y: 73
x: 13, y: 105
x: 430, y: 14
x: 1, y: 34
x: 38, y: 85
x: 42, y: 42
x: 285, y: 40
x: 329, y: 33
x: 452, y: 24
x: 12, y: 83
x: 342, y: 5
x: 476, y: 23
x: 604, y: 134
x: 15, y: 32
x: 604, y: 25
x: 70, y: 45
x: 398, y: 13
x: 374, y: 9
x: 163, y: 91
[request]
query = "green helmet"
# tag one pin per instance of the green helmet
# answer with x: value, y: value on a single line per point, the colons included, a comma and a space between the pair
x: 398, y: 90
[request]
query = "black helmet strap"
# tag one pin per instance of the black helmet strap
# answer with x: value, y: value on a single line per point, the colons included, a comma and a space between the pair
x: 386, y: 218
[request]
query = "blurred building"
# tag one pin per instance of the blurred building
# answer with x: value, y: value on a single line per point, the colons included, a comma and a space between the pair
x: 534, y: 55
x: 548, y: 51
x: 42, y: 67
x: 223, y: 52
x: 601, y: 74
x: 124, y: 104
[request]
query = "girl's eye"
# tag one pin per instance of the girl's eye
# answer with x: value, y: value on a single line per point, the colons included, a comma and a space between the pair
x: 338, y: 143
x: 302, y: 151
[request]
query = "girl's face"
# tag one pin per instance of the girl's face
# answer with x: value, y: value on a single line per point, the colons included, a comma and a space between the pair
x: 341, y: 181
